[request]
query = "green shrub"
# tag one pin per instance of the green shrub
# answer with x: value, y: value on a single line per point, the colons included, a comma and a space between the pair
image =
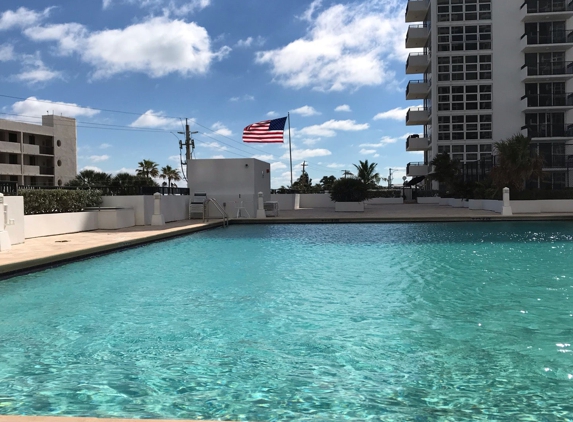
x: 348, y: 190
x: 41, y: 201
x: 541, y: 194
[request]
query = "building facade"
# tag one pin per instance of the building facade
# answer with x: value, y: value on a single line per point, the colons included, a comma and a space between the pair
x: 489, y: 69
x: 35, y: 155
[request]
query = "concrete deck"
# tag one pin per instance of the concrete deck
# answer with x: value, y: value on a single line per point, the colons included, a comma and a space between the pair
x: 44, y: 251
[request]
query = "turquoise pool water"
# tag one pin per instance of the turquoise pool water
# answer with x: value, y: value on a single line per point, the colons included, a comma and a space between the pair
x: 401, y: 322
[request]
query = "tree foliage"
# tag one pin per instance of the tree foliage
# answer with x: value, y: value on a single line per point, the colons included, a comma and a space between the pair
x: 147, y: 168
x: 446, y: 171
x: 516, y: 163
x: 349, y: 190
x: 366, y: 172
x: 90, y: 178
x: 171, y: 174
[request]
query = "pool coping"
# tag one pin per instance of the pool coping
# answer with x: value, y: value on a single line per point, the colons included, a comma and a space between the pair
x: 37, y: 264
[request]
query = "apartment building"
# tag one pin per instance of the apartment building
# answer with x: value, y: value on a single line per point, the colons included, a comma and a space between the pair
x: 37, y: 155
x: 488, y: 69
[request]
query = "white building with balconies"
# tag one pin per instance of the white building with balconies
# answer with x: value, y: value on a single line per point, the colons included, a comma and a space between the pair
x: 486, y: 70
x: 38, y: 155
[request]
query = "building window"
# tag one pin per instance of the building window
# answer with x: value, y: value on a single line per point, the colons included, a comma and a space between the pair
x: 12, y: 137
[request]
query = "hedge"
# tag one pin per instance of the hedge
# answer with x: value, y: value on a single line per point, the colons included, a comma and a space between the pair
x: 39, y: 201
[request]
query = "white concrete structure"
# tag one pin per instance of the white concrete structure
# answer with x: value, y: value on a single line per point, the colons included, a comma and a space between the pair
x: 231, y: 181
x: 491, y: 69
x: 38, y: 155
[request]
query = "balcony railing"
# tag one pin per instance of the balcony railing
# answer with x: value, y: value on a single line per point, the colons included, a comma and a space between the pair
x: 548, y: 6
x: 47, y: 170
x: 549, y: 69
x: 549, y: 100
x: 47, y: 150
x: 549, y: 131
x: 553, y: 161
x: 551, y: 37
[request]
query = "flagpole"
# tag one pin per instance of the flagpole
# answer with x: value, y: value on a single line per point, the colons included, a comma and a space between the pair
x: 289, y: 148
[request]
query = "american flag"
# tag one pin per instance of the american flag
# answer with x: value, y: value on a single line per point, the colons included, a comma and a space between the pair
x: 268, y: 131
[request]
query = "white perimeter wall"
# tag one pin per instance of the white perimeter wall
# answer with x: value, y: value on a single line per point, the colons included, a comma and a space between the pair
x: 16, y: 213
x: 173, y: 207
x: 52, y: 224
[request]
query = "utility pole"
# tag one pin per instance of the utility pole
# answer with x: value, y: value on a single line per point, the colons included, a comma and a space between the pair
x: 304, y: 165
x: 189, y: 143
x: 390, y: 173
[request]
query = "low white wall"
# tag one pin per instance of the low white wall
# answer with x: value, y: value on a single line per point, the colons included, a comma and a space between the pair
x: 116, y: 218
x: 428, y: 200
x: 135, y: 202
x: 16, y: 213
x: 385, y: 201
x: 52, y: 224
x: 173, y: 207
x: 316, y: 200
x: 492, y: 205
x: 475, y: 204
x: 544, y: 205
x: 286, y: 200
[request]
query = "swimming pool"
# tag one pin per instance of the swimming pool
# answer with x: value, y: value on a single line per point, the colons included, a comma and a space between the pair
x: 402, y: 322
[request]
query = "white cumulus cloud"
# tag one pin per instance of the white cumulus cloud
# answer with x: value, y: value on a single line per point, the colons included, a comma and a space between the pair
x: 305, y: 111
x: 367, y: 151
x: 264, y: 157
x: 221, y: 129
x: 394, y: 114
x: 152, y: 119
x: 6, y: 52
x: 278, y: 165
x: 347, y: 46
x: 343, y: 107
x: 167, y: 7
x: 35, y: 71
x: 34, y: 108
x: 21, y: 18
x: 385, y: 140
x: 335, y: 166
x: 328, y: 129
x: 156, y: 47
x: 301, y: 154
x: 98, y: 158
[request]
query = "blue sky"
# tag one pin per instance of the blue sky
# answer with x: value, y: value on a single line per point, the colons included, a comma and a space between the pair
x: 337, y: 67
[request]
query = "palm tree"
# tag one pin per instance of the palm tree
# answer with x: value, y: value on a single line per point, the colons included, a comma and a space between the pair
x: 170, y: 174
x: 347, y: 173
x: 147, y: 168
x: 516, y: 163
x: 90, y: 178
x: 446, y: 170
x: 367, y: 174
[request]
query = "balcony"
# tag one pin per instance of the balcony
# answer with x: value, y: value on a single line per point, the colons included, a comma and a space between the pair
x: 547, y: 72
x: 10, y: 147
x: 554, y: 10
x: 417, y: 90
x: 47, y: 150
x: 548, y: 132
x: 417, y: 63
x: 31, y: 170
x: 417, y: 36
x: 418, y: 116
x: 416, y: 169
x: 10, y: 169
x: 31, y: 149
x: 555, y: 161
x: 47, y: 171
x: 417, y: 10
x: 552, y: 102
x: 547, y: 41
x: 415, y: 143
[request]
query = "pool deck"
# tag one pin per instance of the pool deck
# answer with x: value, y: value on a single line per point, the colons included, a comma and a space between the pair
x: 52, y: 250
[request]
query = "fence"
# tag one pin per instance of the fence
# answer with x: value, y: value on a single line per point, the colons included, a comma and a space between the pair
x: 13, y: 188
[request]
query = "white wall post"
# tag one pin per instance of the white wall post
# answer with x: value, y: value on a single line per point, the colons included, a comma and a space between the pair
x: 157, y: 219
x: 5, y: 243
x: 261, y: 208
x: 506, y: 210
